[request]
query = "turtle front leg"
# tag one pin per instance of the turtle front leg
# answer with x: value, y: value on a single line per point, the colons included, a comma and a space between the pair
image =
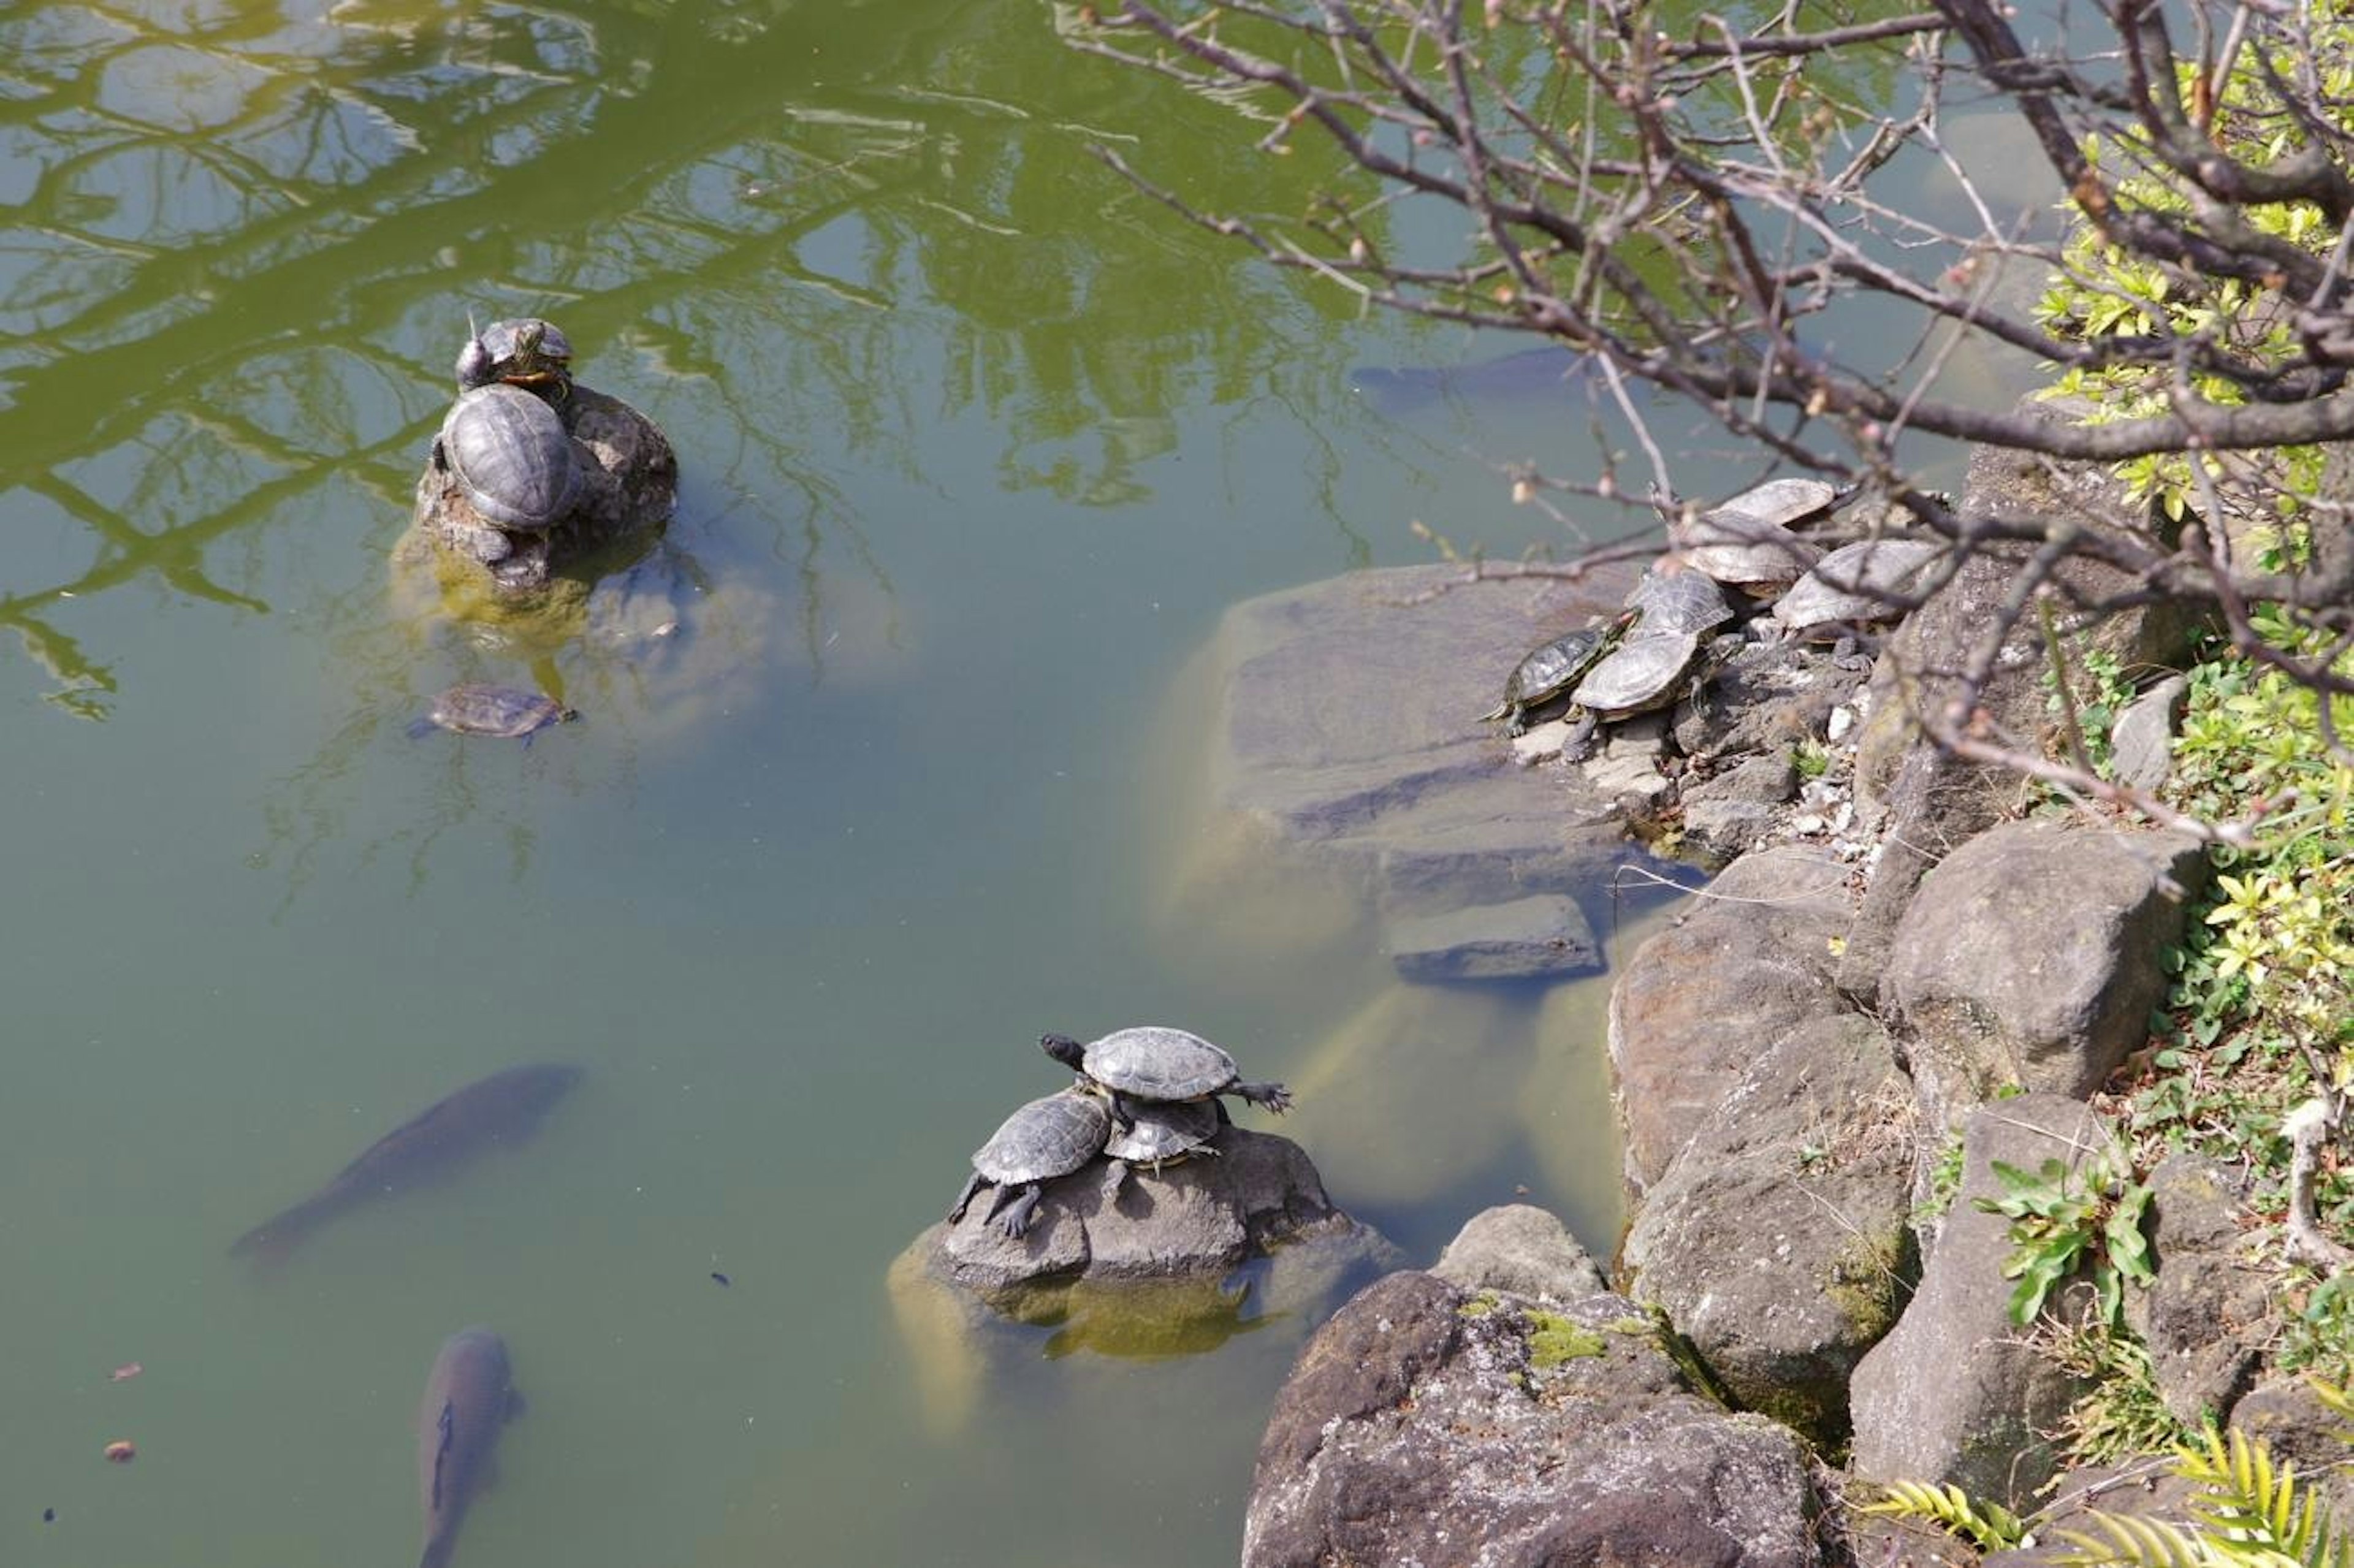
x: 1274, y: 1096
x: 964, y: 1199
x: 1016, y: 1218
x: 1123, y: 1112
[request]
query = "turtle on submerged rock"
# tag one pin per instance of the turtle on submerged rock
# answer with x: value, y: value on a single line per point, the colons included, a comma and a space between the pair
x: 482, y: 708
x: 1153, y: 1063
x: 500, y: 513
x: 1048, y: 1137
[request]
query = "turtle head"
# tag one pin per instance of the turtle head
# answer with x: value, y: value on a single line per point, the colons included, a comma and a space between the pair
x: 1064, y: 1049
x: 474, y: 359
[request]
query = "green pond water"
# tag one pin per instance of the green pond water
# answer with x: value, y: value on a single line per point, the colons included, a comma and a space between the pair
x: 978, y: 444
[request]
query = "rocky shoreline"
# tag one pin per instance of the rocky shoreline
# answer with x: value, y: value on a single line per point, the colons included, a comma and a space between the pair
x: 1899, y: 977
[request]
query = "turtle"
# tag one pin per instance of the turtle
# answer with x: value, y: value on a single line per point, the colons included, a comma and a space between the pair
x: 525, y: 352
x: 1050, y: 1136
x: 1152, y: 1063
x: 1163, y: 1133
x: 1646, y: 673
x: 481, y: 708
x: 1855, y: 584
x: 510, y: 454
x: 1550, y: 671
x: 1746, y: 542
x: 1674, y: 601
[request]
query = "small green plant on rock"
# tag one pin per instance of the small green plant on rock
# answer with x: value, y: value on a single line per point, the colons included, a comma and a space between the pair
x: 2124, y: 1415
x: 2063, y: 1221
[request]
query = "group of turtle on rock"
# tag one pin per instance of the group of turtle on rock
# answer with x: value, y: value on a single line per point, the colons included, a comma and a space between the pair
x: 1143, y: 1096
x: 1697, y: 608
x: 531, y: 473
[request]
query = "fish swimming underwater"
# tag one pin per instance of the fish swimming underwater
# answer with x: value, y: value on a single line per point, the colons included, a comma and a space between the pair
x: 502, y: 1109
x: 1530, y: 375
x: 469, y: 1397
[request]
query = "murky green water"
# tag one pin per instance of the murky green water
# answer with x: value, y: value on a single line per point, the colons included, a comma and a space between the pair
x: 978, y: 444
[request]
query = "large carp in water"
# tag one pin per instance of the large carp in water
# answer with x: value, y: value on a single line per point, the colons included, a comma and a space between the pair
x: 501, y: 1110
x: 1532, y: 375
x: 468, y: 1397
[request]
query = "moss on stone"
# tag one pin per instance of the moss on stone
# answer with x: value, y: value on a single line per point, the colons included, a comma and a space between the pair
x: 1480, y: 1306
x: 1862, y: 1284
x: 1553, y: 1339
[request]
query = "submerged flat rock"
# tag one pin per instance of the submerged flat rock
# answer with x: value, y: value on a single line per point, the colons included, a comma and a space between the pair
x: 1334, y: 736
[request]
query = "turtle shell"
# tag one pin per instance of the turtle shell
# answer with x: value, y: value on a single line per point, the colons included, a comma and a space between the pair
x: 512, y: 457
x: 479, y: 708
x: 1550, y: 671
x: 1677, y: 601
x: 1778, y: 503
x: 1153, y: 1063
x: 1165, y: 1132
x: 1854, y: 584
x: 1642, y: 674
x: 525, y: 352
x: 1050, y: 1136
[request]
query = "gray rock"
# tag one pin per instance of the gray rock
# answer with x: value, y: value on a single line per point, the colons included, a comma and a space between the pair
x: 1524, y: 1249
x: 1698, y: 1002
x: 2141, y: 743
x: 629, y: 489
x: 1932, y: 802
x: 1344, y: 738
x: 1763, y: 700
x: 2031, y: 958
x: 1428, y: 1424
x: 2210, y: 1315
x: 1202, y: 1217
x: 1544, y: 934
x: 1727, y: 815
x: 1952, y: 1395
x: 1777, y: 1241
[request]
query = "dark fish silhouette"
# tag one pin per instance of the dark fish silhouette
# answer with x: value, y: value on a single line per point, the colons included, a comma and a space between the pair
x: 468, y: 1397
x: 1530, y: 375
x: 504, y: 1108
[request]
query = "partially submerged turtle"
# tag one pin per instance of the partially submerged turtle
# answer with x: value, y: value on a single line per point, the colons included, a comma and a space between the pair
x: 1156, y: 1064
x: 1045, y: 1139
x: 1646, y: 673
x: 1551, y: 671
x: 481, y: 708
x: 1855, y: 584
x: 1163, y: 1133
x: 1746, y: 542
x: 1674, y: 601
x: 525, y: 352
x: 511, y: 457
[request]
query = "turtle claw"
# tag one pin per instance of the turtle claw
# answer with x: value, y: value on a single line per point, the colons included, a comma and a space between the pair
x: 1274, y: 1096
x: 964, y: 1199
x: 1015, y: 1220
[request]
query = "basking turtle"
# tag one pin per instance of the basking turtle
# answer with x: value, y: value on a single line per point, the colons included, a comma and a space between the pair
x: 1674, y: 601
x: 1646, y: 673
x: 511, y: 456
x: 1157, y: 1065
x: 1163, y: 1133
x: 1746, y: 542
x: 480, y: 708
x: 1550, y: 671
x: 1855, y: 584
x: 527, y: 352
x: 1045, y: 1139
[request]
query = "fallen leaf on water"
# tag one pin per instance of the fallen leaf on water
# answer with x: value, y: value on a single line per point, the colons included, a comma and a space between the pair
x: 119, y: 1452
x: 124, y: 1372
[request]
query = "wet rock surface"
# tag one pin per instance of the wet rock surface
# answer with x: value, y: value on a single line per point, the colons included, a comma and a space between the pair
x: 1430, y: 1424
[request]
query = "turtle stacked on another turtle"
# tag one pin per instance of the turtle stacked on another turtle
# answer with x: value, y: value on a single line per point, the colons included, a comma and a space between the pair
x: 1145, y: 1097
